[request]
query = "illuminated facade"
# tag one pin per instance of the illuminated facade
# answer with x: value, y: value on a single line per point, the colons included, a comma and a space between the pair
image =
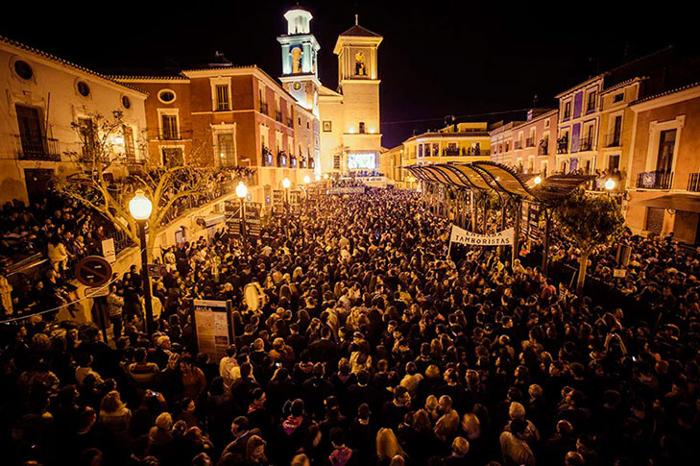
x: 350, y: 119
x: 664, y: 166
x: 43, y: 95
x: 527, y: 146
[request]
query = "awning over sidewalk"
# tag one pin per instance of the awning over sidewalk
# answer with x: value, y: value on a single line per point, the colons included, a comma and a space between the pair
x: 490, y: 176
x: 684, y: 202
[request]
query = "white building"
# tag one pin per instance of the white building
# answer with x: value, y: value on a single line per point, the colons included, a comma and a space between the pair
x: 43, y: 95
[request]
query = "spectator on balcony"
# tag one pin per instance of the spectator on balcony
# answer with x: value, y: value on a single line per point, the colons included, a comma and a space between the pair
x: 58, y: 254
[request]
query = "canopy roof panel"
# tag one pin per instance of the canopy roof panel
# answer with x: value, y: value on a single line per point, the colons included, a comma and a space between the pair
x: 491, y: 176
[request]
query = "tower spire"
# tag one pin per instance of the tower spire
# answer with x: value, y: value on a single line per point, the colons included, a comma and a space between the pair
x: 357, y: 19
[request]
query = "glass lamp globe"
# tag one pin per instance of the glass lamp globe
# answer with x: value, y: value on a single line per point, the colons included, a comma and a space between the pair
x: 241, y: 190
x: 610, y: 184
x: 317, y: 177
x: 140, y: 206
x: 307, y: 179
x: 286, y: 183
x: 537, y: 180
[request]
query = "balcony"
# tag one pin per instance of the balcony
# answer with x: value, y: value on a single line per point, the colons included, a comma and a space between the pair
x: 293, y: 161
x: 282, y: 159
x: 463, y: 152
x: 694, y: 182
x: 563, y: 146
x: 543, y: 147
x: 517, y: 145
x: 263, y: 107
x: 290, y: 122
x: 38, y: 149
x: 612, y: 140
x: 655, y: 180
x: 278, y: 116
x: 451, y: 152
x: 530, y: 142
x: 586, y: 144
x: 266, y: 157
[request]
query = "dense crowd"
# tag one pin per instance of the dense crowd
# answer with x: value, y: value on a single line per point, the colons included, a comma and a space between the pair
x: 371, y: 348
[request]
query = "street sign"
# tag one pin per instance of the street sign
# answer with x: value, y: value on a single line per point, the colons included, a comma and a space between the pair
x: 93, y: 271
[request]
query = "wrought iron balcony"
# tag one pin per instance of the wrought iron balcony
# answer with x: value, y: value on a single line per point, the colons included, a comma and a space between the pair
x: 278, y: 116
x: 517, y: 145
x: 38, y: 149
x: 612, y: 140
x: 543, y: 147
x: 281, y: 159
x: 586, y: 144
x: 267, y: 159
x: 530, y: 142
x: 694, y: 182
x: 263, y: 107
x: 655, y: 180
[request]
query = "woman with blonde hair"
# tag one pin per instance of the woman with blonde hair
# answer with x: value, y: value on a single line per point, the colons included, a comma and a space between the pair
x: 388, y: 446
x: 114, y: 415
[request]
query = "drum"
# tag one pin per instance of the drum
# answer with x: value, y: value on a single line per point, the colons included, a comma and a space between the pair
x: 254, y: 297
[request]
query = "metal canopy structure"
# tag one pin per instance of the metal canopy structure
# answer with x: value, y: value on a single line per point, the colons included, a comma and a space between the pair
x: 490, y: 176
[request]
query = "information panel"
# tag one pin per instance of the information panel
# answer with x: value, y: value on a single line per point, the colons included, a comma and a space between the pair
x: 213, y: 325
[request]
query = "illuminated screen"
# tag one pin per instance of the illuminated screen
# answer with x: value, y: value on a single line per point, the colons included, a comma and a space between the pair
x: 362, y: 161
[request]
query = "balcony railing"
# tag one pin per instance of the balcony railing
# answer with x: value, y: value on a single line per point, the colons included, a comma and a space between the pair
x: 562, y: 146
x: 38, y: 149
x: 282, y: 159
x: 612, y: 140
x: 530, y: 142
x: 290, y: 122
x: 517, y: 145
x: 586, y: 144
x: 463, y: 152
x: 267, y: 159
x: 293, y: 161
x: 694, y: 182
x: 278, y: 116
x: 263, y: 107
x: 543, y: 147
x: 655, y: 180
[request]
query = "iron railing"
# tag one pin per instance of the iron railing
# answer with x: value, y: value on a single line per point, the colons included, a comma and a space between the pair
x: 38, y: 149
x: 655, y: 180
x: 694, y: 182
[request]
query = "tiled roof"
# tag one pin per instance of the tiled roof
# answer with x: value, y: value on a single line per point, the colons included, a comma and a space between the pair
x: 63, y: 62
x: 668, y: 92
x: 359, y: 31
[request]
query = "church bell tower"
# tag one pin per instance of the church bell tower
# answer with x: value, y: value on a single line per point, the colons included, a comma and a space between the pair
x: 300, y: 59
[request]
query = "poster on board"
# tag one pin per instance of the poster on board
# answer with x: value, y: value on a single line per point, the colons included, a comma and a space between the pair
x: 212, y: 320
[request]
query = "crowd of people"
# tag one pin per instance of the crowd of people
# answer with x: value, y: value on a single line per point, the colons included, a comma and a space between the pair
x: 372, y: 348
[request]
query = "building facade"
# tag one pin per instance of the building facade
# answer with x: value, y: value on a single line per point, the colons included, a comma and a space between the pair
x: 664, y: 167
x: 350, y: 117
x: 223, y: 115
x: 527, y: 146
x: 45, y: 97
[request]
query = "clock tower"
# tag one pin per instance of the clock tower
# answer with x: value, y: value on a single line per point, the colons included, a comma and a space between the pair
x: 300, y: 59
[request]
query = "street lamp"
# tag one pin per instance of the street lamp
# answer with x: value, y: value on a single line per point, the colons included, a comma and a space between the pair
x: 307, y: 179
x: 140, y: 208
x: 610, y: 184
x: 317, y: 177
x: 537, y: 180
x: 242, y: 193
x: 286, y: 184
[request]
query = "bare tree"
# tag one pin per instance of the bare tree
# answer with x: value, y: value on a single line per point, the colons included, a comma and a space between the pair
x: 94, y: 184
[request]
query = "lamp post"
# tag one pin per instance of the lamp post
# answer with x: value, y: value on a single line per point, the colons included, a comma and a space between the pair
x: 242, y: 193
x: 286, y: 185
x: 140, y: 208
x: 537, y: 180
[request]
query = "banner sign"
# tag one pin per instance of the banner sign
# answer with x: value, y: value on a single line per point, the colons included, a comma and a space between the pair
x: 347, y: 190
x: 502, y: 238
x: 212, y: 320
x: 108, y: 250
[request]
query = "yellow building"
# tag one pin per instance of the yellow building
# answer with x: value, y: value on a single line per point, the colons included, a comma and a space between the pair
x: 350, y: 122
x: 460, y: 142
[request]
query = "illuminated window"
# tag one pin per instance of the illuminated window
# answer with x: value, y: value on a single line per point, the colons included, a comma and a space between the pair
x: 129, y: 146
x: 227, y: 154
x: 169, y: 127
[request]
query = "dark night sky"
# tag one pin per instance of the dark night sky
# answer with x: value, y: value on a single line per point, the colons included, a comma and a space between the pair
x: 437, y: 58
